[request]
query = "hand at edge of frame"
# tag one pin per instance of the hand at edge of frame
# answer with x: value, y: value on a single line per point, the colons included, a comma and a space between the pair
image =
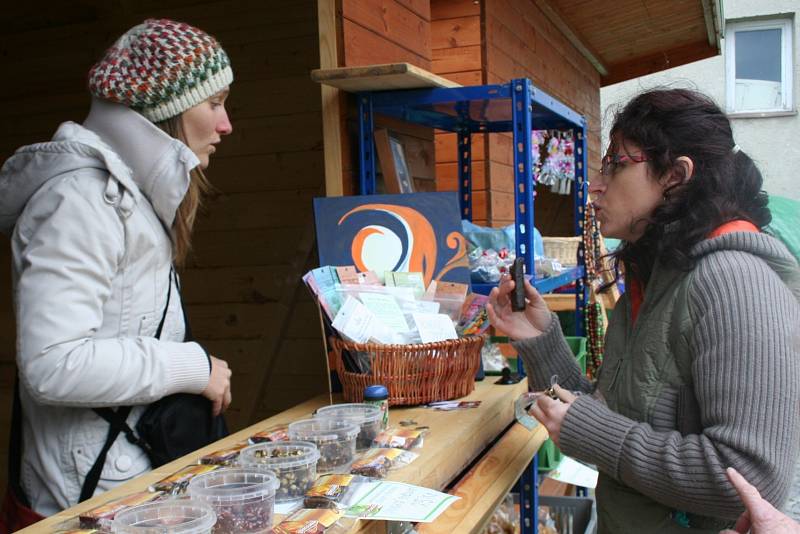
x: 759, y: 517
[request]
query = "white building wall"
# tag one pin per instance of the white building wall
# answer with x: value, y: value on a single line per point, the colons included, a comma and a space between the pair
x: 773, y: 141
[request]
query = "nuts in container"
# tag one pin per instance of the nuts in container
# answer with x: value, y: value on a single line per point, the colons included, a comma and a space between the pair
x: 335, y: 439
x: 367, y: 416
x: 243, y: 498
x: 293, y: 462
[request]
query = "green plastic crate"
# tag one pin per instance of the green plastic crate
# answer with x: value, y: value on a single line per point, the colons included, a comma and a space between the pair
x: 578, y: 346
x: 549, y: 456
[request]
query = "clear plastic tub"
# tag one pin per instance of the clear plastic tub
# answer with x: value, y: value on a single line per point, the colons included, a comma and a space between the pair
x: 368, y: 417
x: 335, y: 439
x: 243, y: 498
x: 293, y: 462
x: 179, y: 516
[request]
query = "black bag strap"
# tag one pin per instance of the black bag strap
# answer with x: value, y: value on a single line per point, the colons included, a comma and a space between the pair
x: 166, y: 306
x: 118, y: 419
x: 187, y: 335
x: 93, y: 477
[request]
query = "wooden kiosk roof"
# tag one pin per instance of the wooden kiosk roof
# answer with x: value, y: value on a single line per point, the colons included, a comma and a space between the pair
x: 625, y: 39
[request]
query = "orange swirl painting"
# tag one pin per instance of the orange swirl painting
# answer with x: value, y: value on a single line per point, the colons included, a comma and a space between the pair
x: 419, y: 232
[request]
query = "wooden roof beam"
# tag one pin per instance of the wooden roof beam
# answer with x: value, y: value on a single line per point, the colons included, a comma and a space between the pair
x: 558, y: 21
x: 712, y: 14
x: 666, y: 59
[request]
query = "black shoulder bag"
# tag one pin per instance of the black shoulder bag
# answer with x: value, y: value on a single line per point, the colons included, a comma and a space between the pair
x: 168, y: 429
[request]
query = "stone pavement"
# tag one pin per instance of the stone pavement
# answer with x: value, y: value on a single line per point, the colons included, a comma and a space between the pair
x: 792, y: 507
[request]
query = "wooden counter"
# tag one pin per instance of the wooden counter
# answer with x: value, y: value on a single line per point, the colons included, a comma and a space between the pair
x: 455, y: 441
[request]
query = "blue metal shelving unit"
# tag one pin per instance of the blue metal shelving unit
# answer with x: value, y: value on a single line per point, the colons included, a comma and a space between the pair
x: 517, y: 107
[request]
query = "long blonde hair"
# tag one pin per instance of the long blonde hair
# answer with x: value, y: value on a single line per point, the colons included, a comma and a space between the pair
x: 199, y: 189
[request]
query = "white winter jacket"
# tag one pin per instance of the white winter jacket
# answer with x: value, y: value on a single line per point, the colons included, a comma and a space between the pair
x: 87, y: 214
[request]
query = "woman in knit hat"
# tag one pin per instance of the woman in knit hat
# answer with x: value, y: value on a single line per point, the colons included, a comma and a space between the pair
x: 701, y: 367
x: 97, y: 218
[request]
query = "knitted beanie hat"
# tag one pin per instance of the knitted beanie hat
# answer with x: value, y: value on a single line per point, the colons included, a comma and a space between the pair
x: 161, y: 68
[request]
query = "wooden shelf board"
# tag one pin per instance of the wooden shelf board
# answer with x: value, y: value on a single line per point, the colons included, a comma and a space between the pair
x: 385, y: 77
x: 487, y: 484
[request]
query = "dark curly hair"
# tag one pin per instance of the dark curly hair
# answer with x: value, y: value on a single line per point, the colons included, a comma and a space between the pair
x: 725, y: 185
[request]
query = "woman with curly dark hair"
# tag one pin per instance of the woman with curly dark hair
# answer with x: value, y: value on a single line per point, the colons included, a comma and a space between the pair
x: 702, y: 354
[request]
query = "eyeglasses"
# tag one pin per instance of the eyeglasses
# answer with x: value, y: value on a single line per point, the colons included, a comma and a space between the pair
x: 609, y: 163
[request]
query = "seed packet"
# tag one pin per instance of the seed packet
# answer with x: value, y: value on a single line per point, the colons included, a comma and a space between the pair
x: 224, y: 456
x: 308, y: 521
x: 276, y: 433
x: 376, y: 463
x: 448, y: 406
x: 176, y: 483
x: 332, y: 491
x: 399, y: 438
x: 92, y: 518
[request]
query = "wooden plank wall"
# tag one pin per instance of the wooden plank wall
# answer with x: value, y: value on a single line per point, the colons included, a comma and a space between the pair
x: 521, y: 42
x: 242, y: 287
x: 387, y: 31
x: 457, y: 54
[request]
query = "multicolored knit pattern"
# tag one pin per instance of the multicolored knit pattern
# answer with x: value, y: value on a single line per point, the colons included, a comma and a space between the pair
x: 161, y: 68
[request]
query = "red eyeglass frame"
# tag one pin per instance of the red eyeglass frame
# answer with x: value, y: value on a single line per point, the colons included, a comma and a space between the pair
x: 615, y: 159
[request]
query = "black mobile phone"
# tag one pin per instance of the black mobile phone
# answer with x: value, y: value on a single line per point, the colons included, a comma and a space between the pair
x: 518, y: 275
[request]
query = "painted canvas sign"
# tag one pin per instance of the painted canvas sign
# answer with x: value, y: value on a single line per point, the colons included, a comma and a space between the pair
x: 419, y: 232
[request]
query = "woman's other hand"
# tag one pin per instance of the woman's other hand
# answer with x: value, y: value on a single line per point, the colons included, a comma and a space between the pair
x: 218, y: 390
x: 518, y: 325
x: 759, y: 517
x: 551, y: 412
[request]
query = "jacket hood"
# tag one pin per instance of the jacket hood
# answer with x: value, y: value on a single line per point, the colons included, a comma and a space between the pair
x: 141, y: 157
x: 766, y: 247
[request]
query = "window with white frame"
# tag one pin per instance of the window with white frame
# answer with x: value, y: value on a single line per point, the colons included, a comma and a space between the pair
x: 758, y: 63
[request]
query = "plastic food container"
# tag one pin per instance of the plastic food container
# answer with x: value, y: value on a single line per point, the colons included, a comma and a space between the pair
x: 369, y: 417
x: 182, y: 516
x: 293, y: 462
x: 243, y: 498
x: 335, y: 439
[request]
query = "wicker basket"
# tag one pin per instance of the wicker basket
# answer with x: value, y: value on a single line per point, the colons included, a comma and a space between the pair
x: 414, y: 374
x: 563, y: 249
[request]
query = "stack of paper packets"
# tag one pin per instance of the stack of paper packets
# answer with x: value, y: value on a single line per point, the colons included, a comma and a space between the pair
x: 396, y: 308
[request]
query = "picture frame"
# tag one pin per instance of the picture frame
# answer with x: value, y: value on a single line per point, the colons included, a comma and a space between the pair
x: 394, y: 166
x: 396, y: 233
